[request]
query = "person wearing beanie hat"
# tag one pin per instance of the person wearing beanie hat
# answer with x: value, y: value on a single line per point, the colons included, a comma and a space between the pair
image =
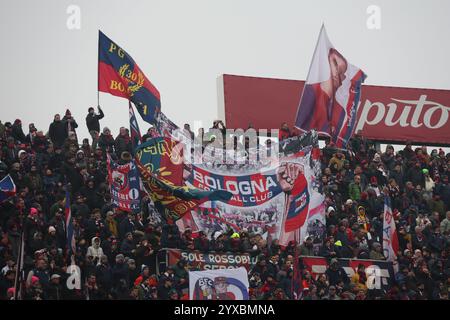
x: 123, y: 142
x: 70, y: 123
x: 106, y: 141
x: 51, y: 229
x: 235, y: 235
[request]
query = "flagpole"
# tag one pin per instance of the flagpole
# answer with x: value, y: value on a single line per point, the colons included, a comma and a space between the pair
x: 98, y: 70
x: 307, y: 77
x: 19, y: 265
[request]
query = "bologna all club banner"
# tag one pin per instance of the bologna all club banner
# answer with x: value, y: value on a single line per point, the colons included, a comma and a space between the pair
x: 119, y: 75
x: 211, y: 260
x: 380, y: 274
x: 228, y: 284
x: 331, y: 94
x: 124, y: 185
x: 385, y: 113
x: 278, y: 199
x: 160, y: 163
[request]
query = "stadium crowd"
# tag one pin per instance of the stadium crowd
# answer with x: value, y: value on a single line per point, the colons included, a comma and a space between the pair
x: 118, y: 252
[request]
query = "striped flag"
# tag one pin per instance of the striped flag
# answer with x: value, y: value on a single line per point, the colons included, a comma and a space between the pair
x: 390, y: 240
x: 136, y: 137
x: 69, y: 227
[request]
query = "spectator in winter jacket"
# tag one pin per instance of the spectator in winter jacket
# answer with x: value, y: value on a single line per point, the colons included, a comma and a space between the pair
x: 17, y: 131
x: 306, y: 249
x: 336, y: 274
x: 445, y: 224
x: 95, y: 251
x: 58, y: 131
x: 354, y: 188
x: 127, y: 226
x: 93, y: 124
x: 70, y: 122
x: 127, y: 247
x: 106, y: 141
x: 123, y: 142
x: 377, y: 252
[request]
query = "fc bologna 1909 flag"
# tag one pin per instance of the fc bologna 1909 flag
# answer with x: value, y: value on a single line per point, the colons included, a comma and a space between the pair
x: 124, y: 185
x: 120, y: 76
x: 331, y: 94
x: 229, y: 284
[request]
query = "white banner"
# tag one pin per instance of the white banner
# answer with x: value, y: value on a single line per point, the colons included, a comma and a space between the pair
x: 228, y: 284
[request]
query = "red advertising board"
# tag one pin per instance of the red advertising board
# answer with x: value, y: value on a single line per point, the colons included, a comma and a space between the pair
x: 385, y: 113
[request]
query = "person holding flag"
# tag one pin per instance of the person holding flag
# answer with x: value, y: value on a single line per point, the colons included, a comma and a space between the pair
x: 93, y: 124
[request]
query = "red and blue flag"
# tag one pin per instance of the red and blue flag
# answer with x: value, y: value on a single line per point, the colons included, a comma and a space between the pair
x: 70, y: 236
x: 7, y: 188
x: 119, y: 75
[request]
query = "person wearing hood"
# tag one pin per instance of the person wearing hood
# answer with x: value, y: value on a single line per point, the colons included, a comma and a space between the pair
x: 17, y: 131
x: 95, y: 251
x: 57, y: 131
x: 218, y: 244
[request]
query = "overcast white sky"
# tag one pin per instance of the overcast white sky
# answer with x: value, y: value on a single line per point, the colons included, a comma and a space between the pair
x: 184, y: 45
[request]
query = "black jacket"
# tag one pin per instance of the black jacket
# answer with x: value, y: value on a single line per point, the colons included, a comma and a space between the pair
x: 92, y: 121
x: 58, y: 132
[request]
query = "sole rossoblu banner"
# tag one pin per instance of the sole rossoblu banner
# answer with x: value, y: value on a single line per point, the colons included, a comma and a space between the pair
x: 211, y: 260
x: 229, y: 284
x: 260, y: 202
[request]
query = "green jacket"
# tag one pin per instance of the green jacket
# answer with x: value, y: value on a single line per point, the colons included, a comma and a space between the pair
x: 354, y: 191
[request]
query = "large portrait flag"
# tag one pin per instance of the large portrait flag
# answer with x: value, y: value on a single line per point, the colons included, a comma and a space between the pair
x: 331, y: 94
